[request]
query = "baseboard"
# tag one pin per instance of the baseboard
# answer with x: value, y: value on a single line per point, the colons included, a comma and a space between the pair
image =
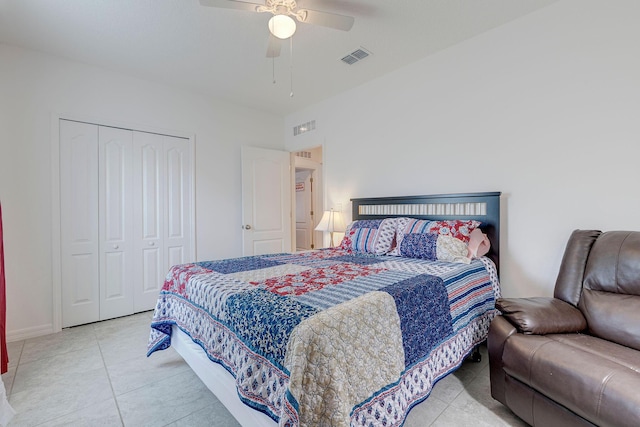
x: 32, y: 332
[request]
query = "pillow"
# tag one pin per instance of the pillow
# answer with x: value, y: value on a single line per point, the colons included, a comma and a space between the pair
x: 407, y: 226
x: 479, y: 244
x: 374, y: 236
x: 437, y: 240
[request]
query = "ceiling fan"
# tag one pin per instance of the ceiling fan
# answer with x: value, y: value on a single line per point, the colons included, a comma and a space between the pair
x: 282, y: 25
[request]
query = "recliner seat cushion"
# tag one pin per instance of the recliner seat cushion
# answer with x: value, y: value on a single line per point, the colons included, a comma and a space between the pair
x: 612, y: 316
x: 593, y: 378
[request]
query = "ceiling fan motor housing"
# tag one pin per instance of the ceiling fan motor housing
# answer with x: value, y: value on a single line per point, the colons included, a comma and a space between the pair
x: 283, y: 7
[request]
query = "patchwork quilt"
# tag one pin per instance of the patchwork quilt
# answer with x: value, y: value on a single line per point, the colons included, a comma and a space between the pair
x: 330, y: 337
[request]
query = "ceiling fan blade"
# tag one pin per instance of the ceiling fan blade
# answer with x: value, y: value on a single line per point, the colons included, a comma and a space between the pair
x: 325, y: 19
x: 274, y: 46
x: 232, y: 4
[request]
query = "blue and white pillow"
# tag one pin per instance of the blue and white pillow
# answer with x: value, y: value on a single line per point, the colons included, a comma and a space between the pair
x: 373, y: 236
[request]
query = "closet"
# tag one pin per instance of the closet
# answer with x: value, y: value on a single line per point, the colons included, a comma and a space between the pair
x: 125, y: 218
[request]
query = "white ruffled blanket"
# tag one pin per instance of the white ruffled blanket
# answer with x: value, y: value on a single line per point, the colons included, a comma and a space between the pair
x: 6, y: 411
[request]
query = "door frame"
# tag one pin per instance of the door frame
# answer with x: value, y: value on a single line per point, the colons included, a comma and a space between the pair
x: 56, y: 258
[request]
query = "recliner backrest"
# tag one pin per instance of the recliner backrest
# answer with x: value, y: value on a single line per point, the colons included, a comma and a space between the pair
x: 569, y: 282
x: 610, y: 297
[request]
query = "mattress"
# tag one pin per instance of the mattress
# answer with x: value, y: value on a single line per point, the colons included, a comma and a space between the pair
x: 330, y: 337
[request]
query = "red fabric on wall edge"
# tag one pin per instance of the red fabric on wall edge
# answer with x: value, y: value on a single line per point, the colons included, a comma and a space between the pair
x: 4, y: 362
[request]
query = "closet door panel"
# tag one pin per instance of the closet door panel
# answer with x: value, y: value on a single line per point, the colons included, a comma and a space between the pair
x: 115, y: 280
x: 175, y: 255
x: 148, y: 218
x: 116, y: 199
x: 178, y: 219
x: 79, y: 223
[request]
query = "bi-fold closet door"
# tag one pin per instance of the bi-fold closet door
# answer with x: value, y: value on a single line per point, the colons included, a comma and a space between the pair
x: 125, y: 218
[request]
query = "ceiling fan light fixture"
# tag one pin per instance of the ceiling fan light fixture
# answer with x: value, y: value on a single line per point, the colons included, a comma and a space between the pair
x: 282, y: 26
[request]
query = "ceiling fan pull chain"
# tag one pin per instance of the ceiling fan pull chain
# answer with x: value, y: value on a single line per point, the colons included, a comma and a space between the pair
x: 291, y: 64
x: 273, y: 69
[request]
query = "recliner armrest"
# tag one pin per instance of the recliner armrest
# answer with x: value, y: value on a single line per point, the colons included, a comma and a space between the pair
x: 539, y: 315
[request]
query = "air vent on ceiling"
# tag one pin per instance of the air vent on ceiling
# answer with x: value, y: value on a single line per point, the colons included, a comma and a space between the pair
x: 355, y: 56
x: 305, y: 127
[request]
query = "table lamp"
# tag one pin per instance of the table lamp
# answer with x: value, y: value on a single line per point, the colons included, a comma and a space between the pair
x: 331, y: 221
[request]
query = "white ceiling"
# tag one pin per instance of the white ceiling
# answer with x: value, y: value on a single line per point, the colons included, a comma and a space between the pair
x: 222, y: 52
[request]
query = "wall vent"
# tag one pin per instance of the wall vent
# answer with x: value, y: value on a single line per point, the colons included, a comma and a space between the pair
x: 303, y: 154
x: 304, y: 127
x: 355, y: 56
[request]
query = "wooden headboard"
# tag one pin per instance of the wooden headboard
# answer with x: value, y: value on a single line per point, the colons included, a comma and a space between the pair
x: 484, y: 207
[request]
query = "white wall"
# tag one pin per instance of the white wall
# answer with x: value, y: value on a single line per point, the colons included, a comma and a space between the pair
x: 34, y: 86
x: 545, y: 109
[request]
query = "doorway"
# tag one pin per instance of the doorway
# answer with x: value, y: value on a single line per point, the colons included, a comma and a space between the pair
x: 308, y: 205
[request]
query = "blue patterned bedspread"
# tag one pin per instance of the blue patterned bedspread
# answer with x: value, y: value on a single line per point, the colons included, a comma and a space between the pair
x: 330, y: 337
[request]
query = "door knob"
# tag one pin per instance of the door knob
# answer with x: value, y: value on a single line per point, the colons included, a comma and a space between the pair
x: 152, y: 243
x: 115, y: 246
x: 247, y: 227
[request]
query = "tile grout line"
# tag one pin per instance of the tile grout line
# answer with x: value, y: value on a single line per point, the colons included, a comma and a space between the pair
x: 13, y: 381
x: 104, y: 363
x: 475, y: 375
x: 21, y: 365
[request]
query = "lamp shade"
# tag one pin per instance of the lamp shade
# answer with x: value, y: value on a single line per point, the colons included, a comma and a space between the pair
x: 331, y: 221
x: 282, y: 26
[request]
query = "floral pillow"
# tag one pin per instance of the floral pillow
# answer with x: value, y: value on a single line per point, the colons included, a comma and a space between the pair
x: 435, y: 240
x: 374, y: 236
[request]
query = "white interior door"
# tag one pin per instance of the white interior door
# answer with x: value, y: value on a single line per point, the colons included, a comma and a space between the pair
x: 316, y: 203
x: 79, y: 241
x: 148, y: 219
x: 126, y: 218
x: 116, y: 228
x: 266, y: 201
x: 161, y: 219
x: 304, y: 209
x: 177, y: 228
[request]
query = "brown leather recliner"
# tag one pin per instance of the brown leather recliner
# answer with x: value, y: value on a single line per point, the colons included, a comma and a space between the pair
x: 574, y: 360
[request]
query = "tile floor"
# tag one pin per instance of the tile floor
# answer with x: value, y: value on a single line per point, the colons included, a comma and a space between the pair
x: 99, y: 375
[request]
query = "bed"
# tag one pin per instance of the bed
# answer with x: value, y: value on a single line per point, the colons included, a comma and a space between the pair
x: 353, y: 335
